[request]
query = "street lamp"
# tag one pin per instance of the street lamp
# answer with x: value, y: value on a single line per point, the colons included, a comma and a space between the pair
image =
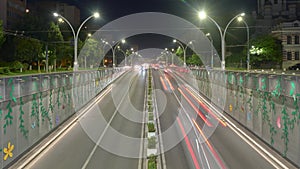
x: 114, y: 49
x: 211, y: 49
x: 75, y: 35
x: 240, y: 19
x: 202, y: 15
x: 125, y: 58
x: 184, y: 49
x: 168, y: 51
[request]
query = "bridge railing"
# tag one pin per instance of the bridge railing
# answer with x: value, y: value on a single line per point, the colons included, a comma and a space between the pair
x: 266, y: 104
x: 32, y: 106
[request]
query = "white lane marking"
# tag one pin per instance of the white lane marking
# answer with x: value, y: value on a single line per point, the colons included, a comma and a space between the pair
x: 245, y: 135
x: 106, y: 127
x: 190, y: 120
x: 199, y: 152
x: 46, y: 147
x: 205, y: 156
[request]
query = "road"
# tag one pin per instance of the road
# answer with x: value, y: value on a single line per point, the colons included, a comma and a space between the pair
x: 78, y: 148
x: 218, y: 144
x: 194, y: 133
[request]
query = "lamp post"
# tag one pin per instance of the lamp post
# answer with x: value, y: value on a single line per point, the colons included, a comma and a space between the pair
x: 184, y: 49
x: 202, y: 15
x: 132, y: 50
x: 211, y: 50
x: 75, y: 35
x: 167, y: 51
x: 240, y: 19
x: 125, y: 58
x: 114, y: 49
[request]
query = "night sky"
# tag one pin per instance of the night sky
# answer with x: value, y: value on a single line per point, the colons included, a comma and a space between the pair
x: 113, y: 9
x: 220, y: 10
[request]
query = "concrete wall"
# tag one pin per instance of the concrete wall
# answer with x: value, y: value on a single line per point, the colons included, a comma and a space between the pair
x: 32, y: 106
x: 268, y: 105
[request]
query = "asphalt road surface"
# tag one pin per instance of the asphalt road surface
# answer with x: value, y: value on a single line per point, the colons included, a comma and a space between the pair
x: 194, y: 134
x: 78, y: 148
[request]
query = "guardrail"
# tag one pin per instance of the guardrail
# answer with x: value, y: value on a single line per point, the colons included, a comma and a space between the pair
x: 33, y: 106
x: 266, y: 104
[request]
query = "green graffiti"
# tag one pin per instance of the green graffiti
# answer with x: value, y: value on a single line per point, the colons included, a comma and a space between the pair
x: 10, y: 82
x: 35, y: 110
x: 295, y: 112
x: 44, y: 112
x: 8, y: 117
x: 249, y: 101
x: 58, y: 98
x: 285, y: 129
x: 278, y: 89
x: 21, y: 118
x: 292, y: 91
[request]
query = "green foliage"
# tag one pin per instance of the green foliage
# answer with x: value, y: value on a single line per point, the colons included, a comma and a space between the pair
x: 179, y: 51
x: 55, y: 37
x: 4, y: 70
x: 150, y: 108
x: 151, y: 127
x: 27, y: 50
x: 151, y: 117
x: 152, y: 162
x: 271, y: 51
x: 2, y: 37
x: 91, y: 50
x: 16, y: 65
x: 194, y: 60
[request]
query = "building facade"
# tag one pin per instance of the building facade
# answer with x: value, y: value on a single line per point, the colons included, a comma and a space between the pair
x: 11, y: 11
x: 281, y: 18
x: 289, y: 34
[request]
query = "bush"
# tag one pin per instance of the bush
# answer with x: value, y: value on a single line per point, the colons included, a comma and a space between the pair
x: 16, y: 65
x: 4, y: 70
x: 150, y: 108
x: 151, y: 127
x: 152, y: 142
x: 151, y: 117
x: 25, y: 66
x: 152, y: 162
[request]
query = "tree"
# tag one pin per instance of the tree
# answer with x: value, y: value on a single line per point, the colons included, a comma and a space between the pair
x: 2, y: 37
x: 265, y: 51
x: 90, y: 53
x: 194, y: 60
x: 27, y: 49
x: 55, y: 37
